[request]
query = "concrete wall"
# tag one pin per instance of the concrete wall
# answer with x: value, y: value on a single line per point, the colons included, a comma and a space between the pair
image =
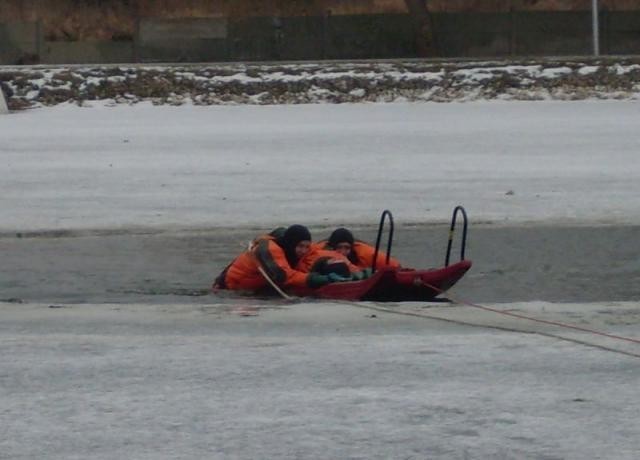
x: 91, y: 52
x: 182, y: 40
x: 20, y: 43
x: 516, y: 33
x: 331, y: 37
x: 621, y: 32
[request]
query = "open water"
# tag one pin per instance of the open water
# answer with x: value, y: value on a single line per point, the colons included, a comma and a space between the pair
x: 511, y: 263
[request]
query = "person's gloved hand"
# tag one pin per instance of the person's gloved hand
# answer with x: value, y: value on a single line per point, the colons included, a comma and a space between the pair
x: 315, y: 280
x: 335, y: 278
x: 361, y: 275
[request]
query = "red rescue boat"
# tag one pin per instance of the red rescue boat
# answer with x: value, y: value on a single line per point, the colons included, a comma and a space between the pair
x: 392, y: 285
x: 401, y: 284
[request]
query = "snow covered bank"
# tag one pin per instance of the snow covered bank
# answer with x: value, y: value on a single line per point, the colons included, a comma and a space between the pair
x: 333, y: 82
x: 143, y: 166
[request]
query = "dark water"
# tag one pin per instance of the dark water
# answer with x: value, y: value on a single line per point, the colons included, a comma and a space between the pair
x: 561, y: 264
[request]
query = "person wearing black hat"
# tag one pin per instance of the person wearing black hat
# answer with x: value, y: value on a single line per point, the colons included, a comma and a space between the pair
x: 358, y: 252
x: 295, y: 242
x: 273, y: 256
x: 341, y: 240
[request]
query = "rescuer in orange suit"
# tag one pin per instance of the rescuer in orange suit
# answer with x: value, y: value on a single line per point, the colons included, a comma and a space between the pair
x: 357, y: 252
x: 327, y: 261
x: 277, y: 254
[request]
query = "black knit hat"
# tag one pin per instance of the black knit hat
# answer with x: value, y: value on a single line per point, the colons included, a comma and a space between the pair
x: 294, y: 234
x: 291, y: 238
x: 340, y: 235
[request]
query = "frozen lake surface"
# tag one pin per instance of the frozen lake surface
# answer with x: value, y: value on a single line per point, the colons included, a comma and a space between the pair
x: 115, y: 220
x: 70, y: 168
x: 314, y: 380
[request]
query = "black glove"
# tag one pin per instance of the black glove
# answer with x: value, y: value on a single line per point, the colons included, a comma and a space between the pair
x: 315, y: 280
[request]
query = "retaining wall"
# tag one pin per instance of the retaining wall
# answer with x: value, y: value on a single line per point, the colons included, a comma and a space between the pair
x: 517, y: 33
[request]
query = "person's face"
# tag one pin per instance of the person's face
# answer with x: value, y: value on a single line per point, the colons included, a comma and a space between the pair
x: 302, y: 248
x: 343, y: 248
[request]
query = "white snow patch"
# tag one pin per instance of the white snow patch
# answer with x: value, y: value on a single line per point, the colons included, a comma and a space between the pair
x: 555, y: 72
x: 588, y: 70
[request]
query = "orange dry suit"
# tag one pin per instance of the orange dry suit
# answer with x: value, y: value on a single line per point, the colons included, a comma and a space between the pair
x: 361, y: 255
x: 317, y: 255
x: 243, y: 272
x: 275, y: 255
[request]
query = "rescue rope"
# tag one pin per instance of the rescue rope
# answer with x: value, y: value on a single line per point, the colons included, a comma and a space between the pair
x: 508, y: 329
x: 493, y: 310
x: 273, y: 284
x: 264, y: 274
x: 489, y: 309
x: 543, y: 321
x: 487, y: 326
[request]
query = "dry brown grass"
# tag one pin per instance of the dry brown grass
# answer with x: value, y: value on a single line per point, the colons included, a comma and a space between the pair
x: 336, y: 83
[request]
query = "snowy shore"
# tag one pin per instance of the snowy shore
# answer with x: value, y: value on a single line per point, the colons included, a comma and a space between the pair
x: 325, y: 82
